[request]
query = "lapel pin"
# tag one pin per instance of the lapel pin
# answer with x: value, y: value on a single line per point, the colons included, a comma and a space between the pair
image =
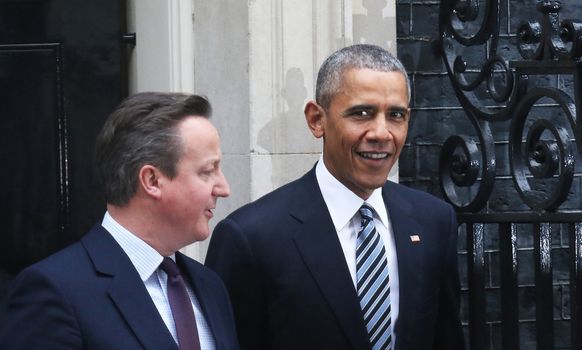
x: 415, y: 238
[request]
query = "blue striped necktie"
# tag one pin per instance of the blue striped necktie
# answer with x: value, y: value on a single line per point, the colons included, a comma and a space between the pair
x: 373, y: 282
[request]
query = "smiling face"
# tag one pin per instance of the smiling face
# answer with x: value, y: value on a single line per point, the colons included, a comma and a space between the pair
x: 189, y: 198
x: 363, y: 129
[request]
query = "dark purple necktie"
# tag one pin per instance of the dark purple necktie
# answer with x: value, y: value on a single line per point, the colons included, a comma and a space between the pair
x: 181, y: 307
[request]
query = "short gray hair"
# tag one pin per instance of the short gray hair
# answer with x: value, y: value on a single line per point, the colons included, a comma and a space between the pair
x: 358, y: 56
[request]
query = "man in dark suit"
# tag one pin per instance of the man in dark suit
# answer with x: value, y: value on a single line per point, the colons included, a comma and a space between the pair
x: 125, y: 285
x: 341, y: 258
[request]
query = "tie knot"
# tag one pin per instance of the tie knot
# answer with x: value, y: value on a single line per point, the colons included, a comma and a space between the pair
x: 366, y: 212
x: 170, y: 267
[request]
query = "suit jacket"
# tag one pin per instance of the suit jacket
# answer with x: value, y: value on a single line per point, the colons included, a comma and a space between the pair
x: 90, y: 296
x: 282, y: 262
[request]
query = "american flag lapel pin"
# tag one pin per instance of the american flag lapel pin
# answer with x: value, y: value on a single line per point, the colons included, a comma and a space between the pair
x: 415, y: 238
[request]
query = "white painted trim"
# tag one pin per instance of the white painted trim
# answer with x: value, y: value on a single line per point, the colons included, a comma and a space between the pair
x: 164, y: 52
x: 181, y: 46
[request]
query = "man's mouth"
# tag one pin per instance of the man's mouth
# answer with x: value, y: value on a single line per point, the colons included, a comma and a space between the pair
x: 373, y: 155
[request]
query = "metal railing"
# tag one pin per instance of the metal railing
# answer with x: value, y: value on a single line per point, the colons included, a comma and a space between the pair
x: 543, y: 142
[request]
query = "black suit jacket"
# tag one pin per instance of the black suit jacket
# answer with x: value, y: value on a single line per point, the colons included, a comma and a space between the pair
x: 282, y: 262
x: 89, y: 296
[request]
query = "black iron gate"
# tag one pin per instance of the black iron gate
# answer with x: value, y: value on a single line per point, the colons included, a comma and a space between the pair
x: 535, y: 99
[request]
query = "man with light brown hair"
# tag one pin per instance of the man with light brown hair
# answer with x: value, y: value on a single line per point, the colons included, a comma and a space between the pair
x: 124, y: 285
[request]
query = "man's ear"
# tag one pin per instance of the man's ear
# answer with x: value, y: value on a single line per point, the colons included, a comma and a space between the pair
x: 149, y: 180
x: 314, y: 115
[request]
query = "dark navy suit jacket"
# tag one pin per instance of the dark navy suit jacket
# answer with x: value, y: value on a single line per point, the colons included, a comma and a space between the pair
x: 282, y: 262
x: 89, y: 296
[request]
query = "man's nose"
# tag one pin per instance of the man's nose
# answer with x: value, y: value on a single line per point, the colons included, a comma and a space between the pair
x: 380, y: 129
x: 222, y: 188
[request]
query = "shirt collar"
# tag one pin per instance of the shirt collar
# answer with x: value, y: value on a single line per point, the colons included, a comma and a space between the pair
x: 145, y: 258
x: 341, y: 202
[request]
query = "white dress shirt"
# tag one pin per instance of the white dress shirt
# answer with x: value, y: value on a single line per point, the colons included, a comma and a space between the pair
x: 343, y: 206
x: 146, y: 261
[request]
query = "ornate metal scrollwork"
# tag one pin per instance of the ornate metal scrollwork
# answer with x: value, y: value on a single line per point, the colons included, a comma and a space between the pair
x: 467, y: 166
x: 545, y: 158
x: 462, y: 164
x: 550, y: 39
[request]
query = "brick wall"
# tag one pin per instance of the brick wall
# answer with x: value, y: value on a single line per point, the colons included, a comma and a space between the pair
x: 437, y: 114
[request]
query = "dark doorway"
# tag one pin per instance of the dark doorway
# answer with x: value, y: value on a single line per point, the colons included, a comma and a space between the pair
x: 61, y: 73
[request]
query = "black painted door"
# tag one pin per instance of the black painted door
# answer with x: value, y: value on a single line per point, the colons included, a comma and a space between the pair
x: 61, y: 74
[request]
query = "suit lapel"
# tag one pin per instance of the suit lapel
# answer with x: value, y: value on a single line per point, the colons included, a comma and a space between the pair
x: 317, y: 241
x: 127, y: 290
x: 404, y: 225
x: 410, y: 257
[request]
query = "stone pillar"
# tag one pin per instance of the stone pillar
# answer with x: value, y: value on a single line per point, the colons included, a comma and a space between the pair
x: 257, y: 61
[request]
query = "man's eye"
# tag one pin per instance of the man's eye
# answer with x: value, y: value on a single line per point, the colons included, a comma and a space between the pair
x: 362, y: 113
x: 397, y: 115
